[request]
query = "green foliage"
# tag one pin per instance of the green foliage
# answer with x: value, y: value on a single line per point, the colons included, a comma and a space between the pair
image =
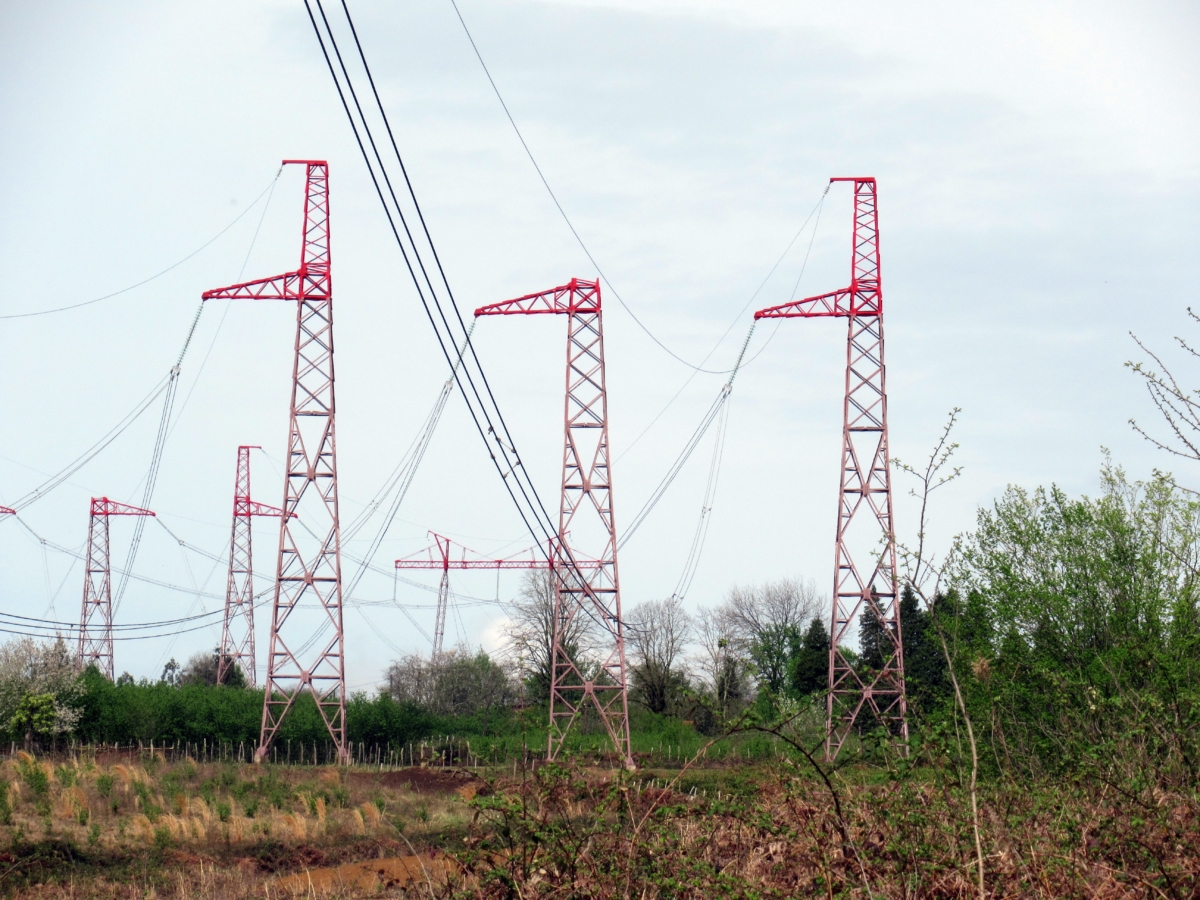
x: 808, y: 669
x: 772, y: 653
x: 35, y: 715
x: 104, y: 785
x: 1078, y: 642
x: 5, y: 805
x: 34, y: 776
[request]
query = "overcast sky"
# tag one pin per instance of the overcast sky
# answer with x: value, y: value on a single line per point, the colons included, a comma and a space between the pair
x: 1038, y: 193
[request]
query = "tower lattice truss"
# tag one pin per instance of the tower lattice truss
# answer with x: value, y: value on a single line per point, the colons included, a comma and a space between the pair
x: 307, y: 641
x: 585, y: 553
x: 96, y: 616
x: 237, y: 629
x: 864, y: 585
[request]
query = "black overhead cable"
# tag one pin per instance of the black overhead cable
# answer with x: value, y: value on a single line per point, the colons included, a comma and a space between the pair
x: 481, y: 402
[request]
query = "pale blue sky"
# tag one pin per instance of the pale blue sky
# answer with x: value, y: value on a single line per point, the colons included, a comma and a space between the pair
x: 1038, y: 179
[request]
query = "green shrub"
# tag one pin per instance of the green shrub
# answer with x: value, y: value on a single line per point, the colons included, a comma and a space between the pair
x: 104, y: 785
x: 34, y: 776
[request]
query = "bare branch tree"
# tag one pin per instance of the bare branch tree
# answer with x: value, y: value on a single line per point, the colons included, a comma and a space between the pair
x: 657, y: 632
x: 769, y: 621
x: 720, y: 659
x: 530, y: 632
x: 1180, y: 408
x: 757, y: 610
x: 920, y: 569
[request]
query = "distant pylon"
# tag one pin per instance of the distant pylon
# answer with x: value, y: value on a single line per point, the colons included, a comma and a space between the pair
x: 307, y: 647
x: 237, y: 631
x: 95, y: 620
x: 585, y: 561
x: 866, y: 481
x: 438, y: 557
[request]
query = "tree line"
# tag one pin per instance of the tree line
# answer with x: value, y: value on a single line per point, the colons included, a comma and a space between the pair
x: 1071, y: 625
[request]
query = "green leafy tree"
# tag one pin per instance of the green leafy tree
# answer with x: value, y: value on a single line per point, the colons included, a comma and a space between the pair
x: 30, y: 668
x: 36, y: 714
x: 1079, y: 628
x: 772, y: 653
x: 808, y: 671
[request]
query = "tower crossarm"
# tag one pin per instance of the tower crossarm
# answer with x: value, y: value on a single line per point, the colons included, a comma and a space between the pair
x: 248, y: 508
x: 576, y: 296
x: 309, y: 282
x: 438, y: 557
x: 7, y: 511
x: 102, y: 506
x: 834, y: 304
x: 863, y: 298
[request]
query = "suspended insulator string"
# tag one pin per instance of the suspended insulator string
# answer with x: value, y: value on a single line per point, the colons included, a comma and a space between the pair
x: 692, y: 564
x: 697, y: 435
x: 152, y: 475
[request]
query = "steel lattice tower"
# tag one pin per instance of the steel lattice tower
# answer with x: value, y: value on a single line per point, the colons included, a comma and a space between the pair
x: 585, y: 558
x: 438, y: 557
x: 865, y: 554
x: 307, y: 644
x: 95, y: 620
x: 237, y: 631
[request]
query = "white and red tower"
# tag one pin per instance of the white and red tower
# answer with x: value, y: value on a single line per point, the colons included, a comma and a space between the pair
x: 307, y: 649
x: 865, y: 545
x: 585, y: 554
x: 95, y: 620
x: 237, y: 631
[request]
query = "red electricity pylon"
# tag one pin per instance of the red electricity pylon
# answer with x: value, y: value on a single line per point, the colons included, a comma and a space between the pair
x: 586, y: 517
x: 865, y: 554
x: 438, y: 557
x: 95, y: 621
x: 307, y: 645
x: 237, y: 631
x: 6, y: 511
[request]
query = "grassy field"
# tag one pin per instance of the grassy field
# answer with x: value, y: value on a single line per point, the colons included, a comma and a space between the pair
x: 138, y: 825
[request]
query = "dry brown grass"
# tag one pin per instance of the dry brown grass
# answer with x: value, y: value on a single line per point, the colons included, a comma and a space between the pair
x: 184, y: 830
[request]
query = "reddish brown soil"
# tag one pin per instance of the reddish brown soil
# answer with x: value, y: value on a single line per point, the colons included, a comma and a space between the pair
x: 424, y: 780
